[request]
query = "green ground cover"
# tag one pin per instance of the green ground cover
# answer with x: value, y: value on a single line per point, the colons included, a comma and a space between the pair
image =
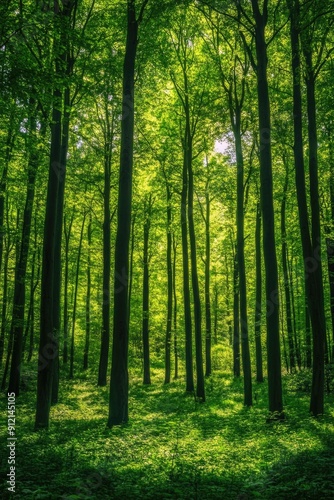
x: 173, y: 447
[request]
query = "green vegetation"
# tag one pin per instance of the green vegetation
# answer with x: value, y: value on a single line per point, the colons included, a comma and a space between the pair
x: 167, y: 248
x: 175, y: 447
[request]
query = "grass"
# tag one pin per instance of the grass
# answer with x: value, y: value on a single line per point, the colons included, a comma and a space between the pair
x: 173, y: 447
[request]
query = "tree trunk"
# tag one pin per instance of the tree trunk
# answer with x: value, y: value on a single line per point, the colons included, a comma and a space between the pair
x: 50, y: 286
x: 200, y: 387
x: 48, y: 347
x: 77, y: 272
x: 168, y: 340
x: 313, y: 277
x: 88, y: 294
x: 246, y: 363
x: 258, y: 297
x: 215, y: 320
x: 236, y: 320
x: 293, y: 316
x: 4, y: 321
x: 67, y: 235
x: 308, y: 335
x: 146, y: 293
x: 319, y: 330
x: 17, y: 327
x: 186, y: 291
x: 105, y: 334
x: 119, y: 381
x: 208, y: 326
x: 59, y: 228
x: 132, y: 248
x: 267, y: 206
x: 330, y: 265
x: 34, y: 285
x: 286, y: 282
x: 3, y: 181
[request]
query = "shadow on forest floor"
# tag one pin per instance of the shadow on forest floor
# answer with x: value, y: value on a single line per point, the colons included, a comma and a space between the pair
x: 173, y: 447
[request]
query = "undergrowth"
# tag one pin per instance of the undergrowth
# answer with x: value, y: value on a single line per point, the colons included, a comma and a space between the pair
x: 173, y: 446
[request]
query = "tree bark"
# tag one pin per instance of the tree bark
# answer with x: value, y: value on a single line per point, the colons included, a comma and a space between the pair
x: 105, y: 334
x: 200, y: 387
x: 246, y: 363
x: 286, y: 280
x: 267, y: 206
x: 313, y: 276
x: 236, y: 319
x: 76, y: 285
x: 146, y: 293
x: 258, y: 297
x: 17, y: 327
x: 88, y: 294
x: 67, y: 235
x: 119, y: 381
x: 48, y: 347
x: 208, y: 325
x: 168, y: 339
x: 186, y: 291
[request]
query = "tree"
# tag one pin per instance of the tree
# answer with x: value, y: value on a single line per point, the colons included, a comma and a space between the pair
x: 118, y: 403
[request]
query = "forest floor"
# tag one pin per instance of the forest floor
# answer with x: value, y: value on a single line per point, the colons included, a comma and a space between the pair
x: 173, y: 446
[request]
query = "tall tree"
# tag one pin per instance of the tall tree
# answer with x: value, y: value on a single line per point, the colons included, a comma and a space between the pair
x: 267, y: 206
x: 17, y: 327
x: 168, y: 339
x: 313, y: 273
x: 108, y: 131
x: 119, y: 381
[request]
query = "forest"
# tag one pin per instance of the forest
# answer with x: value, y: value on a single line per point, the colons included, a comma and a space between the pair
x: 167, y: 249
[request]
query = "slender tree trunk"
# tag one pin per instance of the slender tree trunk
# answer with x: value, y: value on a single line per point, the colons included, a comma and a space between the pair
x: 168, y: 340
x: 146, y: 293
x: 4, y: 304
x: 258, y: 297
x: 32, y: 299
x: 59, y: 227
x: 47, y: 380
x: 67, y: 235
x: 313, y: 276
x: 76, y: 286
x: 132, y: 249
x: 293, y: 316
x: 215, y: 320
x: 308, y: 335
x: 208, y: 326
x: 17, y: 327
x: 88, y: 294
x: 186, y: 291
x: 330, y: 241
x: 3, y: 181
x: 48, y: 346
x: 269, y: 246
x: 290, y: 332
x: 105, y: 334
x: 319, y: 332
x: 236, y: 320
x: 119, y: 381
x: 330, y: 266
x: 246, y: 363
x: 285, y: 354
x: 4, y: 320
x: 200, y: 387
